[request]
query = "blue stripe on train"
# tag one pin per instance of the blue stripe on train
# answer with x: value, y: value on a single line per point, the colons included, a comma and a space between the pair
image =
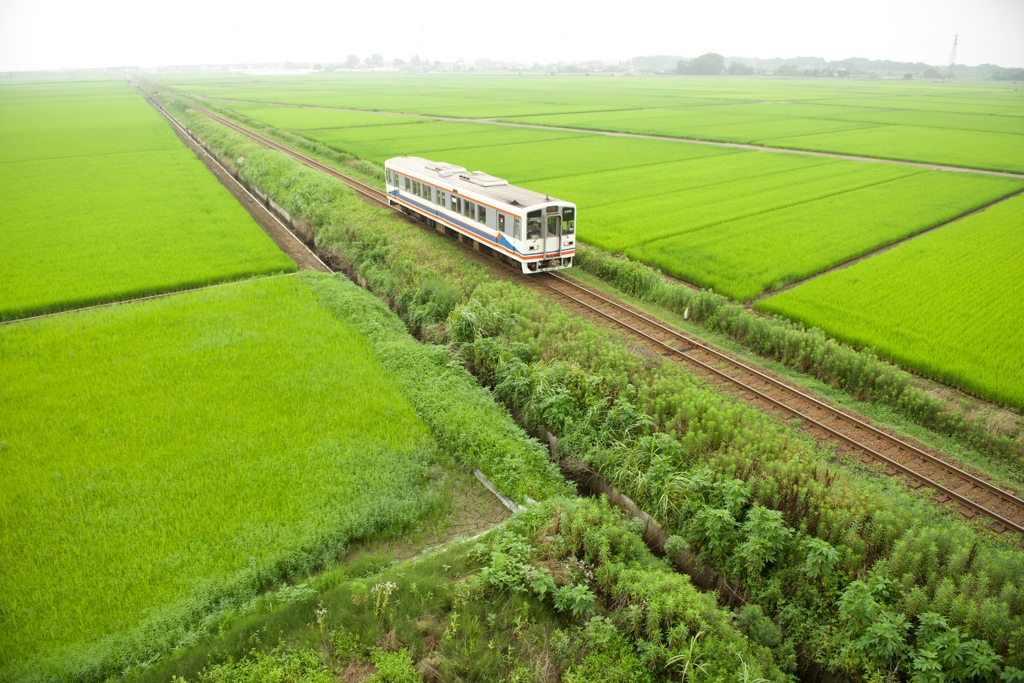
x: 484, y: 237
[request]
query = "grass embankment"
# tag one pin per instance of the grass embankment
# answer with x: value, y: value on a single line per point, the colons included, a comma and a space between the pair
x: 239, y: 435
x: 564, y: 591
x: 102, y: 202
x: 945, y: 305
x: 792, y: 527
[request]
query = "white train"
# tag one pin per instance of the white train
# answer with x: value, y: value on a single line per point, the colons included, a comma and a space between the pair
x: 526, y: 228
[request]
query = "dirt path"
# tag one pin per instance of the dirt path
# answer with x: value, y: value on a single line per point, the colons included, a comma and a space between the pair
x: 148, y: 297
x: 642, y: 136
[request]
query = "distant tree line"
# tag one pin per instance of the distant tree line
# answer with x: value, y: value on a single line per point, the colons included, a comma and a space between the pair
x: 714, y: 64
x: 1009, y: 75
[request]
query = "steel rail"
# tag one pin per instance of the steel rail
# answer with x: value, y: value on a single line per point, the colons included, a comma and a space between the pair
x: 966, y: 502
x: 367, y: 191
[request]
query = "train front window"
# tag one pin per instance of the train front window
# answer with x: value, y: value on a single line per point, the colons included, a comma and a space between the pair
x: 533, y: 225
x: 568, y: 220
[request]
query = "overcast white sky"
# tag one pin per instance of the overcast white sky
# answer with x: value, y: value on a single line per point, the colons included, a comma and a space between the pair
x: 49, y: 34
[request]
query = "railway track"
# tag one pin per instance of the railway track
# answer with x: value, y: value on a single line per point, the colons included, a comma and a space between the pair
x: 972, y: 495
x: 367, y: 192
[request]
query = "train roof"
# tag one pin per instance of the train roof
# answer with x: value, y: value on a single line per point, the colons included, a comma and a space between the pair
x: 474, y: 181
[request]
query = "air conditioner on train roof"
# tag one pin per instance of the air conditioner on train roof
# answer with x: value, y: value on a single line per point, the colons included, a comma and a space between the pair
x: 445, y: 170
x: 483, y: 179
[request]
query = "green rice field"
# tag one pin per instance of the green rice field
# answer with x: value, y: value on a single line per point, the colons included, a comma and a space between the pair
x: 747, y: 256
x: 979, y: 125
x: 165, y: 457
x: 742, y: 222
x: 946, y: 304
x: 103, y: 202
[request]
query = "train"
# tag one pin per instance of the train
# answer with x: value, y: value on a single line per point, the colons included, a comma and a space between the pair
x: 527, y: 229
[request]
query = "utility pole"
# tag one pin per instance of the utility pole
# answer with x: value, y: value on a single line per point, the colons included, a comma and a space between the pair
x: 952, y: 57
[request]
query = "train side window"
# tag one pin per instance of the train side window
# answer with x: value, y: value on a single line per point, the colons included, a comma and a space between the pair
x: 416, y: 188
x: 516, y: 225
x: 441, y: 199
x: 408, y: 184
x: 468, y: 209
x: 481, y: 214
x: 456, y: 204
x: 427, y: 193
x: 387, y: 174
x: 501, y: 222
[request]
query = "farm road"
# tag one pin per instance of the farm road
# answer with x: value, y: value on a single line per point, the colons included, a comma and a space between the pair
x: 642, y: 136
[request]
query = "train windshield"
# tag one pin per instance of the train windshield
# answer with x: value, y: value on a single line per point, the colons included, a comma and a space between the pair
x: 568, y: 220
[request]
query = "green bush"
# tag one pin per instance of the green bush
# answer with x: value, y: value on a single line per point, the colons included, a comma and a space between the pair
x: 280, y: 665
x: 393, y: 667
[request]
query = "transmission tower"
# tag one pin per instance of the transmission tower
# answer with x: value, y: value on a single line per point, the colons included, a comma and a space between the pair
x: 952, y: 57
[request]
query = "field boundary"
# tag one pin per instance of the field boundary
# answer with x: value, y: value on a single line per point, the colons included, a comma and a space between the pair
x: 148, y: 297
x: 619, y: 134
x: 887, y: 247
x: 303, y: 256
x: 765, y: 212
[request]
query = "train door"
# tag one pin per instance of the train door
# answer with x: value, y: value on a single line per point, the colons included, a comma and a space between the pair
x: 552, y: 230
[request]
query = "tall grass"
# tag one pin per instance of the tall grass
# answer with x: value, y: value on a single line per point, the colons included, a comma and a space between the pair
x: 860, y: 373
x: 498, y: 609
